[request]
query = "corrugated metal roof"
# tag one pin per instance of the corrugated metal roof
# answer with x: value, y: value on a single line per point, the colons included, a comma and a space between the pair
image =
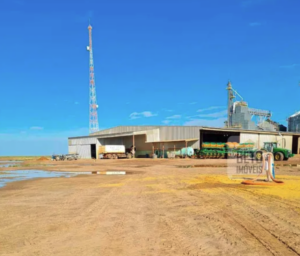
x: 169, y: 133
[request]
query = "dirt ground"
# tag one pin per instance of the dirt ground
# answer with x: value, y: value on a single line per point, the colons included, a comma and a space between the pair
x: 161, y: 207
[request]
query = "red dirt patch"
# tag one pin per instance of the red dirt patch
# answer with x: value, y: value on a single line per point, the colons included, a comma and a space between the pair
x: 43, y: 159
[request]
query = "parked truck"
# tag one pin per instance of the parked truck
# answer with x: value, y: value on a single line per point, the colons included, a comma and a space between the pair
x: 113, y: 152
x: 234, y: 150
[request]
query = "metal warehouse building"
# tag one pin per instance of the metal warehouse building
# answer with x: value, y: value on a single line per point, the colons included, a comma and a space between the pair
x: 147, y: 139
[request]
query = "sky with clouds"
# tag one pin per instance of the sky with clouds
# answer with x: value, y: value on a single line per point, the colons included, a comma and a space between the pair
x: 157, y: 62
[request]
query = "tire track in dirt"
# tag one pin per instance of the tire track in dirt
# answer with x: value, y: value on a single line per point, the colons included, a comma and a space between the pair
x: 269, y: 220
x: 281, y: 215
x: 231, y: 217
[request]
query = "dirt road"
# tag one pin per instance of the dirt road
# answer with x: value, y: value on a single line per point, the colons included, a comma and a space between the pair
x: 158, y: 209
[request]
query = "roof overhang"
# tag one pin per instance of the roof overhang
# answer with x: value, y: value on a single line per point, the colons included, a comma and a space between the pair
x: 247, y: 131
x: 167, y: 141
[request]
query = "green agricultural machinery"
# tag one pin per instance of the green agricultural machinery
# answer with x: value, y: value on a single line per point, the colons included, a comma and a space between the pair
x: 212, y: 150
x: 280, y: 154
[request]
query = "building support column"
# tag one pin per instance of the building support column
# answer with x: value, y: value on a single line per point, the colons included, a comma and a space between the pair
x: 133, y: 145
x: 163, y: 156
x: 152, y: 150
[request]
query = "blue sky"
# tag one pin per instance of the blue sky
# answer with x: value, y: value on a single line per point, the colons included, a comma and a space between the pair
x: 156, y: 62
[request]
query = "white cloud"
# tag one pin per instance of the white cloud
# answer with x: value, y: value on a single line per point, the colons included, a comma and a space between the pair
x: 210, y: 108
x: 254, y: 24
x: 174, y: 117
x: 289, y: 66
x: 215, y: 115
x: 167, y: 110
x: 166, y: 121
x: 36, y: 128
x: 136, y: 115
x: 219, y: 122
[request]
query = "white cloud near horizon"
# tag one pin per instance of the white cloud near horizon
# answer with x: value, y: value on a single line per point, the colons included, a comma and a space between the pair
x: 210, y: 108
x: 136, y: 115
x: 166, y: 121
x: 174, y: 117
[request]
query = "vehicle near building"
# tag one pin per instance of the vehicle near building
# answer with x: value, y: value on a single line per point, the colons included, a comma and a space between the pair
x: 280, y: 154
x: 65, y: 157
x: 241, y: 150
x: 177, y: 153
x: 113, y: 152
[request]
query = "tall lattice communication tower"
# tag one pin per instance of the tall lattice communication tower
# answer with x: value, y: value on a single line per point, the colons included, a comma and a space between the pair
x: 93, y: 127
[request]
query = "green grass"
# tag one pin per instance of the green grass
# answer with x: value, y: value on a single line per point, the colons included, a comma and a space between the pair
x: 20, y: 158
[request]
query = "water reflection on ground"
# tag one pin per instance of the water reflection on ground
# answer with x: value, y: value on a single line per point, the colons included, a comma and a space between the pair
x: 6, y: 164
x: 11, y: 176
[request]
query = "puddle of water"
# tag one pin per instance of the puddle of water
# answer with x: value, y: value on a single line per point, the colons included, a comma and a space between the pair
x: 11, y: 176
x: 18, y: 175
x: 6, y: 164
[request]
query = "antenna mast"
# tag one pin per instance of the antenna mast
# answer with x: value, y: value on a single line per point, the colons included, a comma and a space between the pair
x: 93, y: 127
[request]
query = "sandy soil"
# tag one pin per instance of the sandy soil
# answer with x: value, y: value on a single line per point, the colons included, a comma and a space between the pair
x: 162, y: 207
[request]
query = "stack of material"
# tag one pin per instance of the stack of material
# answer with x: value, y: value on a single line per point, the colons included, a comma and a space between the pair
x: 171, y: 154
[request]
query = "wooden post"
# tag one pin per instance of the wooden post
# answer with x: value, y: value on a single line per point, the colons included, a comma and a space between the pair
x: 133, y: 145
x: 163, y: 150
x: 186, y: 149
x: 152, y: 149
x: 174, y: 152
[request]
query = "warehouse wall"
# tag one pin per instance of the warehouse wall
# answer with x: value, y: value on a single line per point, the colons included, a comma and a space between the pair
x: 244, y: 137
x: 82, y: 146
x: 82, y: 141
x: 152, y: 135
x: 178, y: 132
x: 84, y: 151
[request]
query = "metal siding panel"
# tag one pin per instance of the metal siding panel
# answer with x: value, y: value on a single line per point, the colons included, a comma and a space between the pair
x: 152, y: 135
x: 285, y: 142
x: 178, y: 132
x: 84, y: 151
x: 83, y: 141
x: 72, y: 149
